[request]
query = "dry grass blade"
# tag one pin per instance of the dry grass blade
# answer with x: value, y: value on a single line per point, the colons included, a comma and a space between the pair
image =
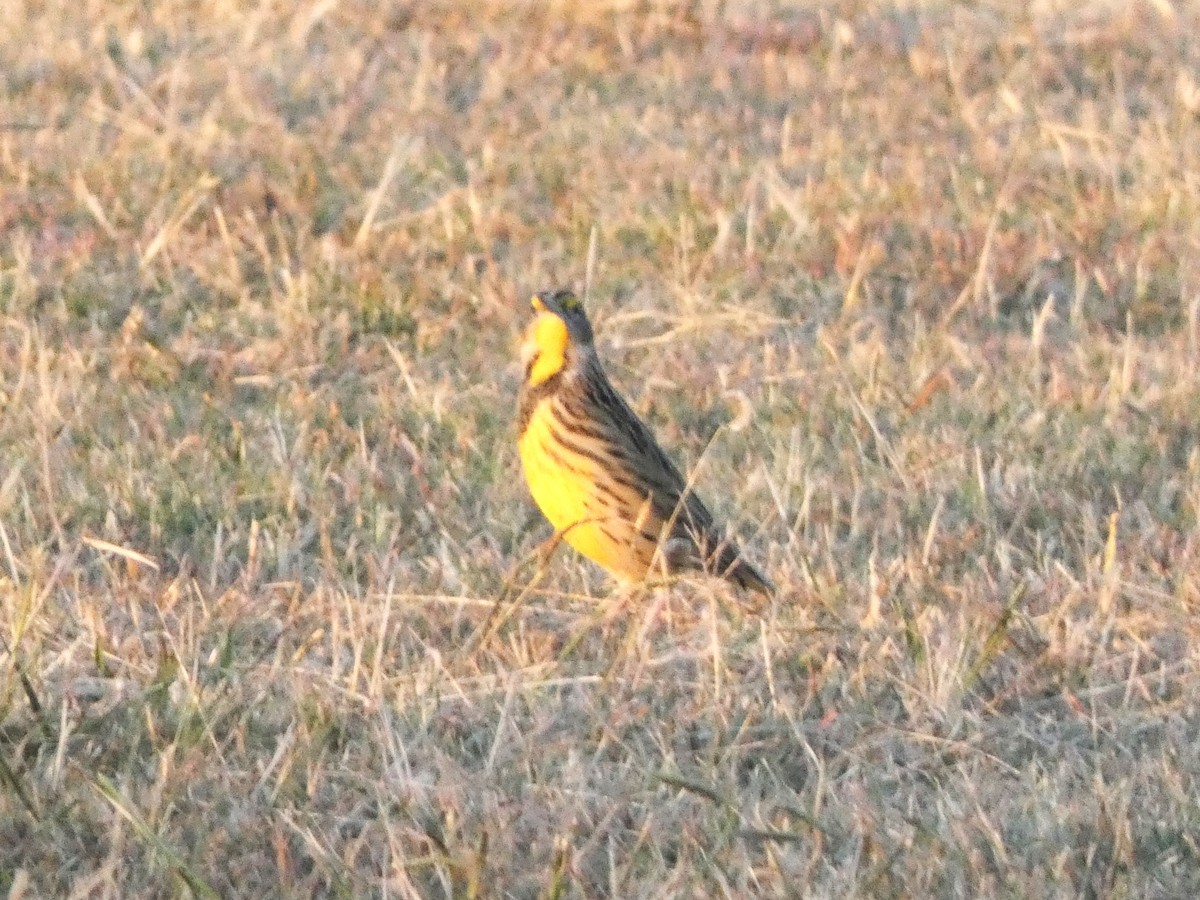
x: 995, y: 639
x: 693, y: 786
x: 197, y: 885
x: 9, y: 777
x: 123, y: 552
x: 506, y: 605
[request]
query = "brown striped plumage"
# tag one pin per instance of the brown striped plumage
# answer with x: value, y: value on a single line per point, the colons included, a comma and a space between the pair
x: 595, y: 469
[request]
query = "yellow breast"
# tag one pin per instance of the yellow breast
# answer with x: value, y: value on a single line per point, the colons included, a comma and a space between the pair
x: 601, y: 524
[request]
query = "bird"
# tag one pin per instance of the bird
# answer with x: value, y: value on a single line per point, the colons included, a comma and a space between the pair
x: 594, y: 468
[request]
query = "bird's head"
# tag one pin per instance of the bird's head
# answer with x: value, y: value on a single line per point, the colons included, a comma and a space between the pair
x: 559, y: 334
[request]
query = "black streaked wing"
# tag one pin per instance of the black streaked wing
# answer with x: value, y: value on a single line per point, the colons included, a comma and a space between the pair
x: 644, y: 456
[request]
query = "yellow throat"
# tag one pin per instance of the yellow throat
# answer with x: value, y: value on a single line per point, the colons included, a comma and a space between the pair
x: 544, y: 350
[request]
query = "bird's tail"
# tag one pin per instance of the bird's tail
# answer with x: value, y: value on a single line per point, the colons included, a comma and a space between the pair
x: 732, y: 566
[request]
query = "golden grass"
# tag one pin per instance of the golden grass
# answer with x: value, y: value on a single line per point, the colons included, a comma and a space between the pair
x: 262, y: 272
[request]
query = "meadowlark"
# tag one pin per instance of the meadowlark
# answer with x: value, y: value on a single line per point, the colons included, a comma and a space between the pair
x: 595, y: 470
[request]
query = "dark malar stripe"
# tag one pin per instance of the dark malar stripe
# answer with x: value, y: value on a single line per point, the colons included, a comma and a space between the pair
x: 531, y: 396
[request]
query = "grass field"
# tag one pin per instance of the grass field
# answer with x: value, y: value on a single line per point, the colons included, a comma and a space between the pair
x: 912, y: 288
